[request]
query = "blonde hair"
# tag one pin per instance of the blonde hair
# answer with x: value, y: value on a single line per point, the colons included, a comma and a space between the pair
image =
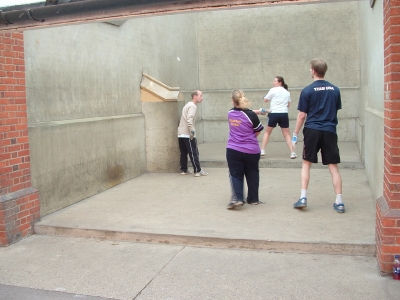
x: 239, y: 100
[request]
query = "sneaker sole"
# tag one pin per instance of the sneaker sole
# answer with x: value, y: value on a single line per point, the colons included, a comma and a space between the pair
x: 233, y: 206
x: 300, y: 207
x: 340, y: 211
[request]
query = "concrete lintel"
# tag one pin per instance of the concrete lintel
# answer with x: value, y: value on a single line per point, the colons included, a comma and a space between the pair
x: 98, y: 10
x: 156, y: 91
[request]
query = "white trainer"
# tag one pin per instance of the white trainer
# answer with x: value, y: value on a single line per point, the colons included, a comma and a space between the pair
x: 262, y: 152
x: 201, y: 173
x: 293, y: 155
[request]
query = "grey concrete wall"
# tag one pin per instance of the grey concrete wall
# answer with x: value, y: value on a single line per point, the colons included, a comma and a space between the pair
x: 247, y: 48
x: 161, y: 136
x: 81, y: 79
x: 371, y: 125
x: 86, y: 124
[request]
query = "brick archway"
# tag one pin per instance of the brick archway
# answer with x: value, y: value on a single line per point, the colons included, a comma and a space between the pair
x: 19, y: 202
x: 388, y: 206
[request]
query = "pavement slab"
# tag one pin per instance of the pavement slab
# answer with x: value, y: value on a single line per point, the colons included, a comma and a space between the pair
x: 124, y: 270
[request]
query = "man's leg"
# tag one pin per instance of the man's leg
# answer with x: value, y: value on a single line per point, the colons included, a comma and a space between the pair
x: 305, y: 174
x: 331, y: 157
x: 336, y: 178
x: 305, y: 179
x: 194, y: 155
x: 337, y: 185
x: 183, y: 154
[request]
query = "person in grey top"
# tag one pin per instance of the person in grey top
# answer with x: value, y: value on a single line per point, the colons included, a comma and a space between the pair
x: 187, y: 136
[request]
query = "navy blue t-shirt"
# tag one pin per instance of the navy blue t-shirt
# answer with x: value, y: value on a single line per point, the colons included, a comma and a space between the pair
x: 320, y: 101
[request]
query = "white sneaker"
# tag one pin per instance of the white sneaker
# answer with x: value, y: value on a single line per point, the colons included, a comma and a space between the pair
x: 201, y: 173
x: 262, y: 152
x: 293, y: 155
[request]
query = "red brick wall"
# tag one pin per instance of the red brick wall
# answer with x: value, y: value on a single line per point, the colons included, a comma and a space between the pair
x: 388, y: 206
x: 19, y: 202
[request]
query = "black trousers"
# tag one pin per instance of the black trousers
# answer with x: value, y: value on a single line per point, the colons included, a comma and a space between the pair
x: 243, y: 165
x: 189, y: 147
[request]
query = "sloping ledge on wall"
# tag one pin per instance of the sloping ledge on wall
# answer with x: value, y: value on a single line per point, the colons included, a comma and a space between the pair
x: 160, y: 106
x: 152, y: 90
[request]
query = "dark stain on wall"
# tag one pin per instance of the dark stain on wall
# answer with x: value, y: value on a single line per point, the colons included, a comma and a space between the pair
x: 115, y: 174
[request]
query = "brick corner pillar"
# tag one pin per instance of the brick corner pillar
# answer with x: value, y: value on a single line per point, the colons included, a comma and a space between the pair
x: 19, y: 201
x: 388, y: 206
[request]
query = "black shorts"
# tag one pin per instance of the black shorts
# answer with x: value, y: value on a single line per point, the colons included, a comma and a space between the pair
x: 282, y: 119
x: 315, y: 140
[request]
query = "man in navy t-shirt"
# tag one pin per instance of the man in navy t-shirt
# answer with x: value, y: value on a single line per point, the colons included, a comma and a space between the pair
x: 318, y: 106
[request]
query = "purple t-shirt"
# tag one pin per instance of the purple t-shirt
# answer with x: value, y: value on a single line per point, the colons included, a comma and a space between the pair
x: 243, y: 125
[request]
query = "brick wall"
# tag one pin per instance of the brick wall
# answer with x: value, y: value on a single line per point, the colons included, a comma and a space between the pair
x: 19, y: 201
x: 388, y: 206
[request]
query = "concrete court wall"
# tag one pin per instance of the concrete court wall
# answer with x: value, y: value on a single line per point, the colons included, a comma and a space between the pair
x: 86, y: 125
x: 247, y: 48
x: 370, y: 127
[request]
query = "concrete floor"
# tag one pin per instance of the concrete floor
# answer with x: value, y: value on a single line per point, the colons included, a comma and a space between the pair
x: 188, y: 210
x: 168, y: 236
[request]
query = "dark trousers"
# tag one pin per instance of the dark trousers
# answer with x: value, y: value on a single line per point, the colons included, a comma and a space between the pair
x: 189, y: 147
x: 243, y: 165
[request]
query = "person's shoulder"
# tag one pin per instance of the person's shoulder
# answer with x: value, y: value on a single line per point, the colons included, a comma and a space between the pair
x: 283, y: 90
x: 275, y: 89
x: 335, y: 86
x: 249, y: 112
x: 309, y: 87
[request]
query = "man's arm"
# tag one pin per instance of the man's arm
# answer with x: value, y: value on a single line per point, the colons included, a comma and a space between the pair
x: 191, y: 115
x: 299, y: 123
x: 301, y: 117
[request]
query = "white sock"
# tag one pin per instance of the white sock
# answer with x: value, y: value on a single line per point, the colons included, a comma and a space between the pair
x: 303, y: 193
x: 339, y: 199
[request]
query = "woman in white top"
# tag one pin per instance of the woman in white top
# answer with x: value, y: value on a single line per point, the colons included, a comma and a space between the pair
x: 280, y: 102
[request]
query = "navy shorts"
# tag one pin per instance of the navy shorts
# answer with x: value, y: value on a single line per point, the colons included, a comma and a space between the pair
x: 315, y: 140
x: 281, y: 119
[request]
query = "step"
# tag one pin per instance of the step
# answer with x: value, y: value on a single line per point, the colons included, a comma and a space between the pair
x: 213, y: 155
x: 179, y: 209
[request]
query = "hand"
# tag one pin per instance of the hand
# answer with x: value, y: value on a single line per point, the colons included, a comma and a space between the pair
x: 264, y: 111
x: 294, y: 139
x: 192, y: 133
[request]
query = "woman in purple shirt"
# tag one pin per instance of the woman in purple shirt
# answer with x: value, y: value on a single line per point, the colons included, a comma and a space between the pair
x: 243, y: 150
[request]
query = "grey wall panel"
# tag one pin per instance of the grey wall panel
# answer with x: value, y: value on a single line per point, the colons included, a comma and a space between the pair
x: 251, y: 46
x: 371, y: 102
x: 74, y: 160
x: 245, y: 49
x: 77, y: 74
